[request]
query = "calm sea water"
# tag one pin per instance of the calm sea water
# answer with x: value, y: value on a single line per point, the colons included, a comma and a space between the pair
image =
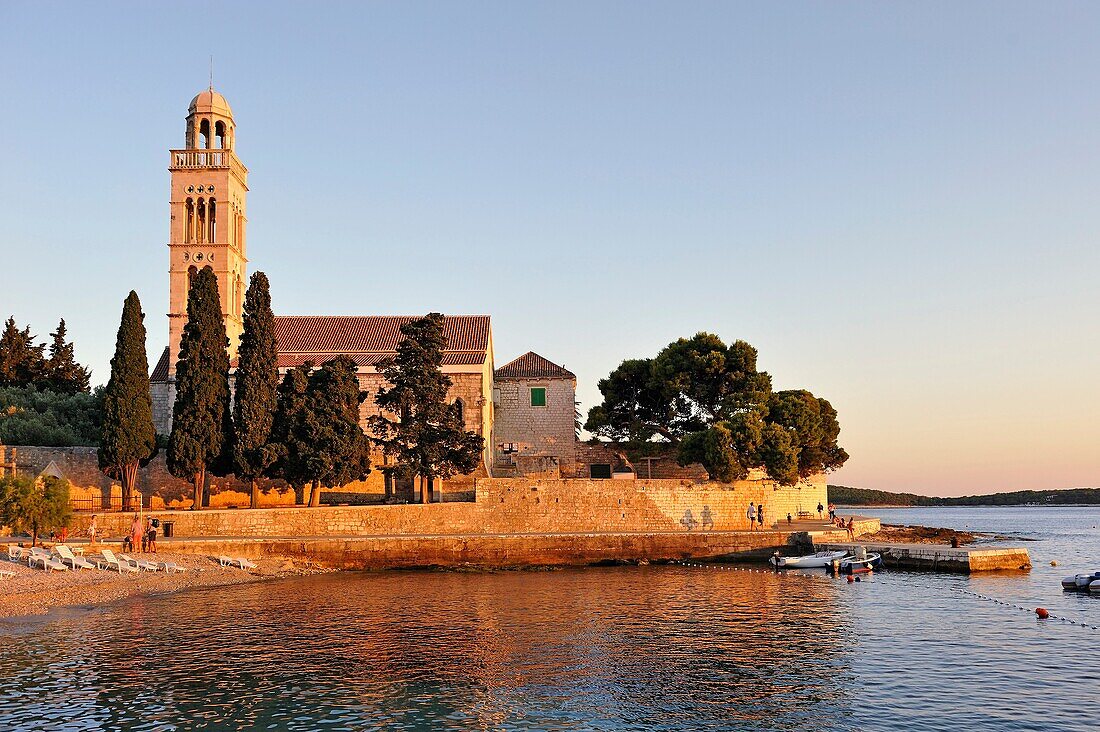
x: 632, y: 648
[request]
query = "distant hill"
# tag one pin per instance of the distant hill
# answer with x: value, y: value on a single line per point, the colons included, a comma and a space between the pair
x: 846, y: 496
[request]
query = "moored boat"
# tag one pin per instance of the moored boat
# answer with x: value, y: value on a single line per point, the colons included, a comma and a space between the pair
x: 818, y: 560
x: 1081, y: 582
x: 861, y: 562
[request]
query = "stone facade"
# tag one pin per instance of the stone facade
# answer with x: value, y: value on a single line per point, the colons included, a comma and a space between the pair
x: 516, y: 506
x: 535, y: 428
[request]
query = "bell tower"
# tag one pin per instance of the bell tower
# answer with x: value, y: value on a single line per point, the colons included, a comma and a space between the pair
x: 209, y: 186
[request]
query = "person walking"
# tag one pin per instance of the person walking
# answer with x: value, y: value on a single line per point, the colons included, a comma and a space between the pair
x: 92, y: 531
x: 760, y: 514
x: 820, y: 511
x: 751, y: 513
x: 851, y: 527
x: 832, y: 512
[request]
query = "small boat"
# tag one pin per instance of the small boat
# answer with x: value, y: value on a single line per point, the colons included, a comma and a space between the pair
x: 810, y: 561
x: 1094, y: 586
x: 1081, y: 582
x: 861, y: 562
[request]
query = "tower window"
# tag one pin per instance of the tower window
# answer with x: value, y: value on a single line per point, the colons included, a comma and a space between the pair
x: 189, y: 226
x: 204, y: 133
x: 191, y: 272
x: 219, y: 134
x: 538, y: 396
x: 460, y: 410
x: 212, y: 215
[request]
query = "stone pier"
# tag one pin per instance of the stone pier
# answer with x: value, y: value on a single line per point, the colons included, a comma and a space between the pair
x: 937, y: 557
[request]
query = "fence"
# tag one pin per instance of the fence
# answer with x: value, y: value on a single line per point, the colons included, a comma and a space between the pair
x: 103, y: 504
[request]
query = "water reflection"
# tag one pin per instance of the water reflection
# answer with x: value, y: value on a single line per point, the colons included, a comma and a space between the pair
x: 622, y: 648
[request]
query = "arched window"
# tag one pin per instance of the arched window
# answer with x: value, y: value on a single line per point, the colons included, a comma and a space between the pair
x: 460, y: 411
x: 200, y: 221
x: 189, y: 227
x: 212, y: 215
x: 191, y: 272
x: 219, y: 134
x: 240, y: 295
x: 204, y: 134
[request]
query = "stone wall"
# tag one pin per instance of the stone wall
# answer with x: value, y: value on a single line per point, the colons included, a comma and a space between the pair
x: 547, y: 431
x: 513, y: 506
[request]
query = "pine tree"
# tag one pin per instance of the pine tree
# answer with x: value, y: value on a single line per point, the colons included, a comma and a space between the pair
x: 201, y: 423
x: 63, y: 374
x: 417, y: 427
x: 21, y: 360
x: 257, y: 381
x: 129, y: 439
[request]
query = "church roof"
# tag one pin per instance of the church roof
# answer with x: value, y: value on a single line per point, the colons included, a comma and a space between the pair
x: 368, y: 339
x: 533, y: 366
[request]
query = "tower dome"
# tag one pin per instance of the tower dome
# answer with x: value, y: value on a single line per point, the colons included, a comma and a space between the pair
x: 209, y: 101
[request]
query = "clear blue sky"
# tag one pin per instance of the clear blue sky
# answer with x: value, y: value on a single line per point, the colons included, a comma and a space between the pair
x: 896, y: 204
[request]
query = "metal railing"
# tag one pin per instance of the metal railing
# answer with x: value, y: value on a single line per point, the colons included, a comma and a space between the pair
x: 203, y: 158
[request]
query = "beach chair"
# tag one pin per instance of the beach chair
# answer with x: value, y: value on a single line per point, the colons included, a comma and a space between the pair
x: 47, y: 563
x: 109, y: 560
x: 139, y: 563
x: 245, y: 564
x: 67, y: 557
x: 169, y: 567
x: 16, y: 553
x: 224, y: 560
x: 5, y: 574
x: 35, y: 554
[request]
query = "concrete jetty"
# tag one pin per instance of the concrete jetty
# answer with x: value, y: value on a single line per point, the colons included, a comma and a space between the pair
x: 942, y: 558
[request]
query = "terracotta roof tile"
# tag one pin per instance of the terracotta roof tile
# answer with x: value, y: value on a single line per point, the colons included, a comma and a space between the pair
x: 533, y: 366
x: 160, y: 371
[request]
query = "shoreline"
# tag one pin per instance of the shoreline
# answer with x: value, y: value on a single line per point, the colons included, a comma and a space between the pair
x: 35, y: 595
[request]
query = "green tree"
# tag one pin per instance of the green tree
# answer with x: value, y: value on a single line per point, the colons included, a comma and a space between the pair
x: 201, y: 439
x: 287, y: 437
x: 417, y: 427
x: 21, y: 359
x: 815, y: 429
x: 63, y: 373
x: 335, y: 449
x: 256, y: 384
x: 33, y: 416
x: 33, y: 506
x: 129, y: 439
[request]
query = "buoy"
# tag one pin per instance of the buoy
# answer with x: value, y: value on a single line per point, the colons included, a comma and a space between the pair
x: 1042, y: 613
x: 1053, y: 563
x: 851, y: 579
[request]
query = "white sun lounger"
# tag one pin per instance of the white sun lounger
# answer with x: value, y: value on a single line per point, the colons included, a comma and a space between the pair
x: 4, y: 574
x: 67, y: 557
x: 46, y: 563
x: 110, y: 560
x: 240, y: 562
x: 16, y: 553
x: 139, y: 563
x: 172, y: 567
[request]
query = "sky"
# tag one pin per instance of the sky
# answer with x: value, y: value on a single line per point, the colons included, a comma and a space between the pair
x: 894, y: 203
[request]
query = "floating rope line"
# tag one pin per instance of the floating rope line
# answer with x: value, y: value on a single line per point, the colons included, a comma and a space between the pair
x: 1043, y: 615
x: 878, y: 578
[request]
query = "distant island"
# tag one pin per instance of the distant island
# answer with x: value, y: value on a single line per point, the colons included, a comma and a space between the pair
x: 847, y: 496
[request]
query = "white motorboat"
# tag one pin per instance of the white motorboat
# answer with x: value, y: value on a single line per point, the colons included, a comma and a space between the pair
x: 1081, y: 582
x: 810, y: 561
x: 862, y: 561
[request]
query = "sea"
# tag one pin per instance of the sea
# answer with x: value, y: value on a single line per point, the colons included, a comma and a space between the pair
x: 659, y: 647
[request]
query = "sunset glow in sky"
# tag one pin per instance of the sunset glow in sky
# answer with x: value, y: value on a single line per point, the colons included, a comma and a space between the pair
x: 897, y: 205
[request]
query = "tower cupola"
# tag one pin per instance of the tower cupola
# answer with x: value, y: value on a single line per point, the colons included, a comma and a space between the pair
x: 209, y: 122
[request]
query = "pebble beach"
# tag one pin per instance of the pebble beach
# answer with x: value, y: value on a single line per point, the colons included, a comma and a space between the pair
x: 33, y: 592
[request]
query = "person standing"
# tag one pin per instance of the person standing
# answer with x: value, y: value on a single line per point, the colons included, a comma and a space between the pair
x: 751, y: 513
x: 135, y: 533
x: 760, y: 514
x: 151, y: 535
x: 820, y: 510
x: 832, y: 512
x: 92, y: 530
x: 851, y: 527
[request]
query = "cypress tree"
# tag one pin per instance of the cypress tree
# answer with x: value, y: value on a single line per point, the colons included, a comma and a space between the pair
x: 129, y: 439
x: 63, y: 373
x: 337, y: 451
x: 257, y: 381
x: 290, y: 410
x: 201, y: 422
x: 425, y: 434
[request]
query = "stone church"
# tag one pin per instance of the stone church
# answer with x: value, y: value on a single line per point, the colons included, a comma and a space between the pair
x: 525, y: 410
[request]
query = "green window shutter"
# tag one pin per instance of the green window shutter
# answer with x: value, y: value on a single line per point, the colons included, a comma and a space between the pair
x: 538, y: 396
